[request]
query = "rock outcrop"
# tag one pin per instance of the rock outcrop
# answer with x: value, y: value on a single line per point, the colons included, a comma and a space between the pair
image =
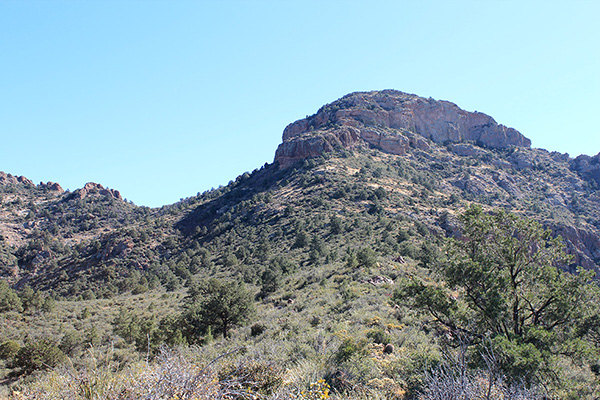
x: 92, y: 188
x: 582, y: 244
x: 52, y: 186
x: 392, y: 121
x: 8, y: 179
x: 588, y: 168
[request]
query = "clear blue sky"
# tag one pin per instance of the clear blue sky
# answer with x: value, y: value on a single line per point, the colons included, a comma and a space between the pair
x: 164, y: 99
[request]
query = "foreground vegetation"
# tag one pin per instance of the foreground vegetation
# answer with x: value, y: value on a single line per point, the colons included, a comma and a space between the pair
x: 490, y: 316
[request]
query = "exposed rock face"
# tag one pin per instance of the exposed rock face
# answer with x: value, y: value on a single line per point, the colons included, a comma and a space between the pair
x: 582, y: 244
x: 92, y: 188
x: 392, y: 121
x: 465, y: 150
x: 8, y: 179
x: 587, y: 167
x: 508, y: 184
x: 53, y: 186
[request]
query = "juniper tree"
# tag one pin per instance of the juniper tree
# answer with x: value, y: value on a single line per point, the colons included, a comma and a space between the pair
x: 501, y: 284
x: 218, y: 304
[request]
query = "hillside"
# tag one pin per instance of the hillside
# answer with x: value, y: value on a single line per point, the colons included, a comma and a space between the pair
x: 360, y: 195
x: 385, y: 154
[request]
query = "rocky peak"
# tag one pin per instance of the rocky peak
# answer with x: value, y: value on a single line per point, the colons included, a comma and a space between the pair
x: 8, y: 179
x: 92, y: 188
x: 392, y: 121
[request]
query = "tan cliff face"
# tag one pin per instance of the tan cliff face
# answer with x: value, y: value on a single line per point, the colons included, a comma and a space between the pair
x: 392, y: 121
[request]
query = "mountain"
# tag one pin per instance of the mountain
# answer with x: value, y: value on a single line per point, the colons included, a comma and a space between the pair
x: 370, y: 155
x: 360, y: 199
x: 398, y: 123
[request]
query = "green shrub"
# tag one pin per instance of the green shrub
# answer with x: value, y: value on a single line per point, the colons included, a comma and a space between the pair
x: 219, y: 304
x: 38, y: 355
x: 349, y: 348
x: 378, y: 335
x: 9, y: 300
x: 257, y: 329
x: 8, y: 350
x: 366, y: 257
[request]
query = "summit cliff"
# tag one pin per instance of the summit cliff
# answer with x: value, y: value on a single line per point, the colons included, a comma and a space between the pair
x: 391, y: 121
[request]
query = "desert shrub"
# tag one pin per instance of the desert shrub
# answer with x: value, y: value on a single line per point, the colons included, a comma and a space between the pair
x: 9, y: 300
x: 134, y: 328
x: 302, y: 240
x: 451, y: 383
x: 378, y: 335
x: 139, y: 289
x: 271, y: 279
x: 251, y: 376
x: 408, y: 249
x: 366, y: 257
x: 38, y: 355
x: 350, y: 347
x: 8, y: 350
x: 257, y: 329
x: 402, y: 236
x: 168, y: 332
x: 31, y: 299
x: 70, y: 342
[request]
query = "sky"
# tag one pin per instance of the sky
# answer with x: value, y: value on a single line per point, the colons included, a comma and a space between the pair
x: 162, y: 100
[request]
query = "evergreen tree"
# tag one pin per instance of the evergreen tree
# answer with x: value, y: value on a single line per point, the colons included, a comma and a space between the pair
x: 500, y: 284
x: 217, y: 304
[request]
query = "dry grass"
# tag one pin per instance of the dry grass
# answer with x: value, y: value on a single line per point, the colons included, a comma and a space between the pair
x: 172, y: 375
x: 446, y: 384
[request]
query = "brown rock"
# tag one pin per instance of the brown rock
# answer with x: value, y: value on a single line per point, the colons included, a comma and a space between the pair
x: 380, y: 280
x: 465, y: 150
x: 119, y: 249
x: 522, y: 160
x: 388, y: 349
x: 473, y: 185
x: 508, y: 184
x: 390, y: 141
x: 301, y: 146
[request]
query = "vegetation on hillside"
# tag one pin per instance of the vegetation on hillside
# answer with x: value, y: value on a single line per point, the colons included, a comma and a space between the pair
x: 356, y: 275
